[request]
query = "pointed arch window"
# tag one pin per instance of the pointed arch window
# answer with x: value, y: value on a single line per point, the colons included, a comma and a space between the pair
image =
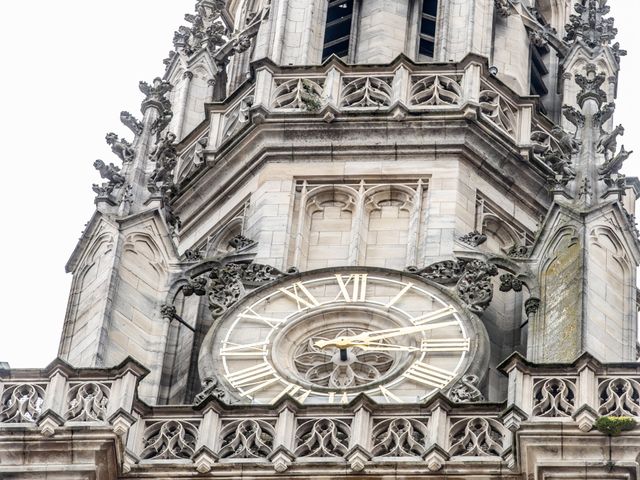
x: 340, y: 24
x: 428, y: 24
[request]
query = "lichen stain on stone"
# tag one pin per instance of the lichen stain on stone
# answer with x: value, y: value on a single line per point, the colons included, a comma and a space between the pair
x: 563, y: 305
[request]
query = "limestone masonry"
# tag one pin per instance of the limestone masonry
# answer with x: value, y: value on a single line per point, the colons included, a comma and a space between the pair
x: 365, y: 239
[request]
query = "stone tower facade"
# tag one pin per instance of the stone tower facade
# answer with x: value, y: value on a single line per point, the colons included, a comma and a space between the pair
x: 361, y: 238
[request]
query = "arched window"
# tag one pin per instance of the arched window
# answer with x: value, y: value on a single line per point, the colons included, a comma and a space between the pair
x: 340, y: 24
x: 427, y: 34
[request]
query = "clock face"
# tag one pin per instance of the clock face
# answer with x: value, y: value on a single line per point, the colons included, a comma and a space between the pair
x: 327, y: 336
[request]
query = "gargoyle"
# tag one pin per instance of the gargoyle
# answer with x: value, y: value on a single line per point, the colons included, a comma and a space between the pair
x: 559, y: 163
x: 608, y: 142
x: 131, y: 122
x: 567, y: 142
x: 614, y: 165
x: 123, y: 149
x: 574, y: 116
x: 109, y: 172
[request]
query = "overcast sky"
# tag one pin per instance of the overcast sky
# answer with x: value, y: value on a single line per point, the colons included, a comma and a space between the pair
x: 70, y: 67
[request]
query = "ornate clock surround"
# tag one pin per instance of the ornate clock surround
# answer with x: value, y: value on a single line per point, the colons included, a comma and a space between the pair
x: 298, y: 327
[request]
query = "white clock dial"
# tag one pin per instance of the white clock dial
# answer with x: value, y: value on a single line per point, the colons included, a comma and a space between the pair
x: 325, y: 337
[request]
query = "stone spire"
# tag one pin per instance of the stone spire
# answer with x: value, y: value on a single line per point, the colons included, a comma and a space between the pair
x: 587, y: 251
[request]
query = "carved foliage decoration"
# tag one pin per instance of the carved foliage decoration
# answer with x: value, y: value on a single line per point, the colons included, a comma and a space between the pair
x: 399, y: 437
x: 473, y: 239
x: 472, y: 279
x: 477, y: 437
x: 436, y: 90
x: 87, y: 402
x: 466, y: 390
x: 226, y: 284
x: 173, y: 439
x: 299, y: 94
x: 590, y: 25
x: 446, y: 272
x: 495, y: 108
x: 366, y: 92
x: 554, y: 397
x: 21, y: 403
x: 247, y: 439
x: 324, y: 437
x: 475, y: 287
x: 619, y: 397
x: 206, y: 29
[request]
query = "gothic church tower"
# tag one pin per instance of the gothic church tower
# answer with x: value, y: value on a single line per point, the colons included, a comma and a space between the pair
x: 354, y: 237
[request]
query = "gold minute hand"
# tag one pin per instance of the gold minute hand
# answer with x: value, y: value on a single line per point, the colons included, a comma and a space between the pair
x: 365, y: 337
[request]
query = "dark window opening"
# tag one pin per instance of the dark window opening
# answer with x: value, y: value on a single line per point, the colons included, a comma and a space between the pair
x: 337, y: 32
x: 428, y: 18
x: 539, y: 71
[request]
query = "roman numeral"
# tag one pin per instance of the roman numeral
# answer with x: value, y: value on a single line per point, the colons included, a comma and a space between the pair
x: 244, y: 350
x: 358, y: 287
x: 400, y: 294
x: 290, y: 389
x: 272, y: 322
x: 446, y: 345
x: 388, y: 396
x: 430, y: 317
x: 257, y: 377
x: 429, y: 375
x: 308, y: 302
x: 303, y: 396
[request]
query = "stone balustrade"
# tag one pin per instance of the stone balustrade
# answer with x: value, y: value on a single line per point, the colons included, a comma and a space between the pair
x: 355, y: 435
x: 399, y: 89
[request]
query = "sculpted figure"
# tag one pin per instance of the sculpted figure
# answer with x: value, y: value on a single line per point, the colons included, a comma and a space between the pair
x: 165, y: 157
x: 608, y: 142
x: 122, y: 148
x: 567, y: 141
x: 109, y: 172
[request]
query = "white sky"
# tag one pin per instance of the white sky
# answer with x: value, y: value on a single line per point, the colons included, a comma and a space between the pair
x: 70, y: 67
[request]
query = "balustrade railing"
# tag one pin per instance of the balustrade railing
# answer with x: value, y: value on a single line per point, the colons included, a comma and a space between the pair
x: 433, y: 433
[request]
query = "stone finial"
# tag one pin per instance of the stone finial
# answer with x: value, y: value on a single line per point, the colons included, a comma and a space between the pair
x: 590, y: 25
x: 155, y: 97
x: 206, y: 30
x: 590, y: 86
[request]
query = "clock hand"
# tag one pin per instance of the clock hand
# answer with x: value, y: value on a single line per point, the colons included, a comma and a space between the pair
x: 423, y: 324
x: 367, y: 337
x: 376, y: 346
